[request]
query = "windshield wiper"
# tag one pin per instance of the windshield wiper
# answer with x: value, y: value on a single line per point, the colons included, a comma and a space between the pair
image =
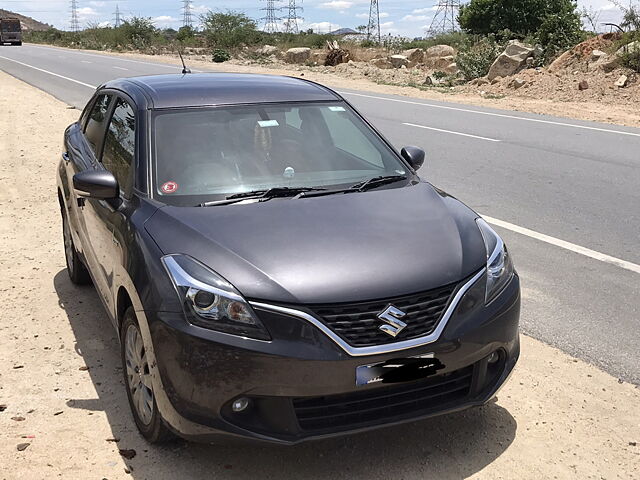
x: 376, y: 182
x: 262, y: 195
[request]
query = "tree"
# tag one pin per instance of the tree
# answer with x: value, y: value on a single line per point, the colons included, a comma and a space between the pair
x: 522, y: 17
x: 229, y: 29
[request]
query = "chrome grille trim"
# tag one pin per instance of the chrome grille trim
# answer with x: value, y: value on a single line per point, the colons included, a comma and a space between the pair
x: 378, y: 349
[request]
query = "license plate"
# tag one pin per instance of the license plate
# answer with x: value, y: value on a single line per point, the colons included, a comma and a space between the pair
x: 398, y: 370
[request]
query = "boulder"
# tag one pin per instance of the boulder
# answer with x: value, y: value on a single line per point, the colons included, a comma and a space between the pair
x: 415, y: 56
x: 439, y: 63
x: 440, y: 51
x: 398, y: 61
x: 267, y: 50
x: 633, y: 47
x: 597, y: 55
x: 319, y: 57
x: 298, y: 55
x: 511, y: 61
x: 517, y: 83
x: 383, y: 63
x: 583, y: 85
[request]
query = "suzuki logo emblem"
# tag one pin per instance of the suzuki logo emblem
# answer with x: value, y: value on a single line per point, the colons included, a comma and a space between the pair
x: 392, y: 315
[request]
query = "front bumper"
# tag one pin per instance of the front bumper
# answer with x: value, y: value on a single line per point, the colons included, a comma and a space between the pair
x: 301, y: 385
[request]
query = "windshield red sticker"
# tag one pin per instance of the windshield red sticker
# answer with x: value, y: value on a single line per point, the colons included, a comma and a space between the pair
x: 169, y: 187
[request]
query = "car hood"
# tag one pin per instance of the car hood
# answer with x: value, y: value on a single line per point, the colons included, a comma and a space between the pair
x: 338, y: 248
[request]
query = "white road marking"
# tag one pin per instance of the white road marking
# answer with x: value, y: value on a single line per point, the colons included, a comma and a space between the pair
x: 120, y: 68
x: 177, y: 67
x: 478, y: 112
x: 566, y: 245
x: 51, y: 73
x: 85, y: 61
x: 451, y: 132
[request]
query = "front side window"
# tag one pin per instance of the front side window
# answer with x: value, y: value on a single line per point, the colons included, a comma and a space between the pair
x: 94, y: 131
x: 119, y: 145
x: 208, y: 153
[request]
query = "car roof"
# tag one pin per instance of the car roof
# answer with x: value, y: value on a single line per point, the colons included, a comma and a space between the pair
x: 207, y: 89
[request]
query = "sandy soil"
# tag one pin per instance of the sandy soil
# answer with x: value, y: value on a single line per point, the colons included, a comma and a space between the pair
x: 545, y: 93
x: 61, y: 389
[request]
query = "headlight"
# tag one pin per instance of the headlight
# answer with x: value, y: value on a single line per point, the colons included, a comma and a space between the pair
x: 499, y: 264
x: 209, y: 301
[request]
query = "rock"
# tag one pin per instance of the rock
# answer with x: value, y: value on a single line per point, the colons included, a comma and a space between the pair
x: 633, y: 47
x: 597, y: 55
x: 451, y: 69
x: 17, y: 419
x: 383, y: 63
x: 517, y: 83
x: 267, y: 50
x: 319, y: 57
x: 22, y: 446
x: 3, y: 407
x: 298, y: 55
x: 440, y: 51
x: 511, y: 61
x: 439, y: 63
x: 622, y: 81
x: 583, y: 85
x: 415, y: 56
x: 128, y: 453
x: 496, y: 80
x: 398, y: 61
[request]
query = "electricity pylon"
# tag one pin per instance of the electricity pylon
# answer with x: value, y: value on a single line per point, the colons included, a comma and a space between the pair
x: 271, y: 20
x: 75, y: 23
x: 117, y: 21
x: 446, y: 18
x: 373, y: 28
x: 291, y: 23
x: 187, y: 15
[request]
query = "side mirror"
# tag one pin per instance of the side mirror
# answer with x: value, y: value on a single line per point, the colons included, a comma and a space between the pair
x: 413, y: 155
x: 101, y: 185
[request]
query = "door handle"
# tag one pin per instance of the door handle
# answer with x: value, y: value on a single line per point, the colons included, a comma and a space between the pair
x: 65, y: 157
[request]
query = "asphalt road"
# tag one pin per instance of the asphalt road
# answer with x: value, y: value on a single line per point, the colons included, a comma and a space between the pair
x: 565, y: 194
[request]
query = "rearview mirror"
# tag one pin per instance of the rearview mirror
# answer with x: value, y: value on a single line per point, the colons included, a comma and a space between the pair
x: 101, y: 185
x: 413, y: 155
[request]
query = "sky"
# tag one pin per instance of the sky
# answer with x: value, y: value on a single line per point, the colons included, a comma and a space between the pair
x: 408, y: 18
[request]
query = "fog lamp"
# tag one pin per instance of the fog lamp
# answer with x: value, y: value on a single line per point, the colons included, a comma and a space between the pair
x: 493, y: 358
x: 240, y: 404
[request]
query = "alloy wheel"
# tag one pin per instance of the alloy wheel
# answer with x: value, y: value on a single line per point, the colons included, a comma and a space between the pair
x: 138, y: 374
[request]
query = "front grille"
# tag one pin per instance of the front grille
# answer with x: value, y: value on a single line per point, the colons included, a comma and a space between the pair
x: 358, y: 323
x: 380, y: 405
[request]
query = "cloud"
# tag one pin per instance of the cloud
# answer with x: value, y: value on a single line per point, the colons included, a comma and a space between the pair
x: 322, y: 27
x: 87, y: 12
x: 97, y: 4
x: 419, y: 11
x: 366, y: 15
x: 415, y: 18
x: 336, y: 5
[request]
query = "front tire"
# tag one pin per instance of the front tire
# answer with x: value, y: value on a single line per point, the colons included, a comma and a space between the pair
x: 76, y: 269
x: 137, y: 377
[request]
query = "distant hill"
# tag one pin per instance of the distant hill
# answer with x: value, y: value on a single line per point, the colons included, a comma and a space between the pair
x: 344, y: 31
x: 28, y: 23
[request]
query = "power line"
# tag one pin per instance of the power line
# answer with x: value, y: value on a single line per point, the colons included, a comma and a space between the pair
x: 446, y: 18
x: 117, y: 21
x: 373, y: 27
x: 187, y: 14
x: 74, y: 22
x: 271, y: 20
x: 291, y: 23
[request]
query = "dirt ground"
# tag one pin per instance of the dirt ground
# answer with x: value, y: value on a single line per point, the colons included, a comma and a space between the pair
x: 62, y: 395
x: 544, y: 93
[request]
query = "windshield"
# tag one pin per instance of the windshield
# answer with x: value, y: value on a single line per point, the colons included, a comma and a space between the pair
x: 207, y: 154
x: 10, y: 26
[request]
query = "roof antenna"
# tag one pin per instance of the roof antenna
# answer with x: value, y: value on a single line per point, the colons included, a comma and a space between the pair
x: 185, y: 70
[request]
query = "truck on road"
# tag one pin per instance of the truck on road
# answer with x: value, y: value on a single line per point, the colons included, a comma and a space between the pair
x: 10, y: 31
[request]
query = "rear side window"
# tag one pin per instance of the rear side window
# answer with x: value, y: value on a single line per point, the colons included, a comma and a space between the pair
x: 94, y: 131
x: 119, y: 145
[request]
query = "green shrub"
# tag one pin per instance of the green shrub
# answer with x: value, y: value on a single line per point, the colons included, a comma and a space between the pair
x: 220, y: 55
x: 630, y: 57
x: 229, y: 29
x: 453, y: 39
x: 139, y: 32
x: 475, y: 58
